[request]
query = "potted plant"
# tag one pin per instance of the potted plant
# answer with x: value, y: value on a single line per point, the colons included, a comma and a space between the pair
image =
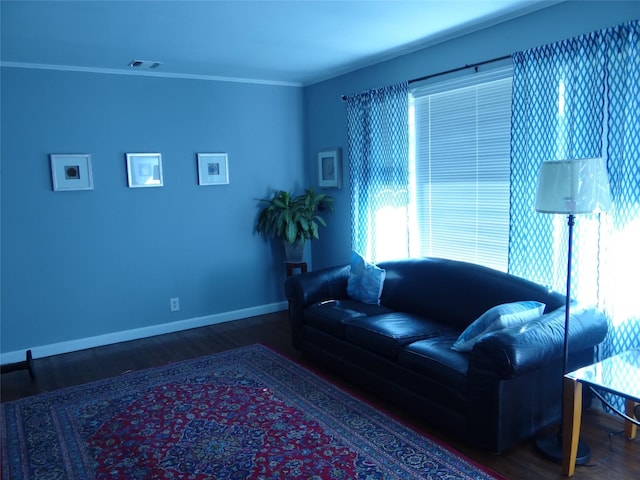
x: 293, y: 220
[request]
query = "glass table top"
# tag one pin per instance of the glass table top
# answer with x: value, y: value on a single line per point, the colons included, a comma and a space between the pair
x: 619, y: 374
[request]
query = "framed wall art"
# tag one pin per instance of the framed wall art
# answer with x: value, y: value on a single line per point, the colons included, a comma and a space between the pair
x: 213, y: 169
x: 71, y: 171
x: 330, y: 169
x: 144, y: 170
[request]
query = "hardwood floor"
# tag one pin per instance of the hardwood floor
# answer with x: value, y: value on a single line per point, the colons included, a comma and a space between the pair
x: 613, y: 457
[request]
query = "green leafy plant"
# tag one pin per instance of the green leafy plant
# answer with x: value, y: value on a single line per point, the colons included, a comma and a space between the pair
x: 293, y: 218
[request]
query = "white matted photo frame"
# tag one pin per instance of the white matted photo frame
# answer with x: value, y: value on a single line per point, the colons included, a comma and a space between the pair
x: 71, y: 171
x: 144, y: 170
x: 213, y: 169
x: 330, y: 168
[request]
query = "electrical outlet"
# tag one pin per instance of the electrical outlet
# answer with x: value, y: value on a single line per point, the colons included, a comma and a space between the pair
x: 174, y: 303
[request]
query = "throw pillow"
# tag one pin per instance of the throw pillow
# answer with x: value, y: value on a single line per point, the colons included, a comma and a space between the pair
x: 497, y: 318
x: 365, y: 280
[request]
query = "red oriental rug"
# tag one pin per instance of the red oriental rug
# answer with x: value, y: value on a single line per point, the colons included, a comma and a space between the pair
x: 243, y: 414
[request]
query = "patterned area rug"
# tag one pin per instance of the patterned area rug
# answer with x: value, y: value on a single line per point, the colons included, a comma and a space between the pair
x: 243, y: 414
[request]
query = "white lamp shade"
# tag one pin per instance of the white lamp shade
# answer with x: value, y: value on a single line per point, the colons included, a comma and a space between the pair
x: 573, y: 186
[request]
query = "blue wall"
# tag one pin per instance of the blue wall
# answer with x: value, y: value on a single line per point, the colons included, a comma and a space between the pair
x: 81, y: 264
x: 325, y: 120
x: 79, y: 268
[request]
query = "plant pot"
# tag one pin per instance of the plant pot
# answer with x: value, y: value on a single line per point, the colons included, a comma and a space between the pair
x: 294, y: 251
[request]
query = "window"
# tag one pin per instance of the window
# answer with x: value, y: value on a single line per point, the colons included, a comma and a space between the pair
x: 460, y: 134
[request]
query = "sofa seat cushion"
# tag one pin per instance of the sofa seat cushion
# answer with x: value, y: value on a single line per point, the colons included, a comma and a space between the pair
x: 386, y: 334
x: 330, y: 316
x: 435, y: 359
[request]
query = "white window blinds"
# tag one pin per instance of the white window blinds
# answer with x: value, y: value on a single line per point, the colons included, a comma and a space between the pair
x: 461, y: 146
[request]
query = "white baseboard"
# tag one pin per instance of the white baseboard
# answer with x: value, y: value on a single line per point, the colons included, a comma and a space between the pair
x: 137, y: 333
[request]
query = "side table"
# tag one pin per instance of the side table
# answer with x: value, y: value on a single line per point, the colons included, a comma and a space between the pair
x: 620, y: 375
x: 291, y: 266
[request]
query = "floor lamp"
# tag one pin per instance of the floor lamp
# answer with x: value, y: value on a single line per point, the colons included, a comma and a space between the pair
x: 570, y: 187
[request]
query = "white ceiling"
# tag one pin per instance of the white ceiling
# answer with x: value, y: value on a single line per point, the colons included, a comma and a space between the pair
x: 284, y: 42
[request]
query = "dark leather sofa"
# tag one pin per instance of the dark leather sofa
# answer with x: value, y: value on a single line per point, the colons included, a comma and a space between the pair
x: 496, y: 396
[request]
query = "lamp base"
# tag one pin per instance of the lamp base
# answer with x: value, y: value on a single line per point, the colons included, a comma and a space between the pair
x: 550, y: 446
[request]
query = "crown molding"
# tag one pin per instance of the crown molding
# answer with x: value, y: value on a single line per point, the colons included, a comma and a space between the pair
x: 114, y: 71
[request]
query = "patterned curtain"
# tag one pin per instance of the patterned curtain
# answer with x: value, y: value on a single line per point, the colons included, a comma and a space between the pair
x: 580, y: 98
x: 378, y: 149
x: 557, y: 112
x: 621, y: 258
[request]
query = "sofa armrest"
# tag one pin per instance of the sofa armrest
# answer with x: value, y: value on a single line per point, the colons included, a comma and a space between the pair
x: 312, y: 287
x: 515, y: 351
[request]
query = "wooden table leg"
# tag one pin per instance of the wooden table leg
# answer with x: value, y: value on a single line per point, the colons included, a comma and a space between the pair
x: 571, y: 418
x: 630, y: 428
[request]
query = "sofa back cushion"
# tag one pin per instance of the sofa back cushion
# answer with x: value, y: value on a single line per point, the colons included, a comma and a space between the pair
x: 456, y: 292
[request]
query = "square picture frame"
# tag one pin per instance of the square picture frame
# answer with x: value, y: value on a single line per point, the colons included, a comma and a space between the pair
x: 213, y: 169
x: 71, y: 171
x: 144, y: 170
x: 330, y: 168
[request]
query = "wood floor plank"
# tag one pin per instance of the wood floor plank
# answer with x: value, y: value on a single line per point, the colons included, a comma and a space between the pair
x: 613, y: 456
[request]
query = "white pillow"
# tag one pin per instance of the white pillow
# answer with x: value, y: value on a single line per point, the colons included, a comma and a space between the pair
x: 497, y: 318
x: 365, y: 280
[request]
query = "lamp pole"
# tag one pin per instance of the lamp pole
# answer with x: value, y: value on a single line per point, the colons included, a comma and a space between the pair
x: 550, y: 445
x: 565, y: 362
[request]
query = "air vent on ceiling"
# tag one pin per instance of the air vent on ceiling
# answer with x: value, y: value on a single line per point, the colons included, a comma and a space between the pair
x: 144, y: 64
